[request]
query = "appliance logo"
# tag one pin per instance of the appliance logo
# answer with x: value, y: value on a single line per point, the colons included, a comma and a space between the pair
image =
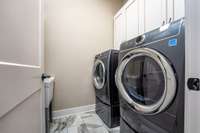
x: 172, y: 42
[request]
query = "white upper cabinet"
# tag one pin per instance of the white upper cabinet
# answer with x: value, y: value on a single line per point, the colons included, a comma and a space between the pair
x: 154, y: 14
x: 175, y: 10
x: 131, y: 19
x: 170, y: 11
x: 179, y: 9
x: 119, y: 35
x: 139, y: 16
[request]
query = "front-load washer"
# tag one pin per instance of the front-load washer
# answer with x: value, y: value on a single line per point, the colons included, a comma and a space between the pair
x: 150, y: 79
x: 107, y: 99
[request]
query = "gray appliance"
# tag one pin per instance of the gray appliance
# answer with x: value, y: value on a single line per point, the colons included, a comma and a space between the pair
x: 107, y: 99
x: 151, y: 79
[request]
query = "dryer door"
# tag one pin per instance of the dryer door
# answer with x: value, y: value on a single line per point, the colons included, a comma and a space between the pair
x: 146, y: 80
x: 99, y: 74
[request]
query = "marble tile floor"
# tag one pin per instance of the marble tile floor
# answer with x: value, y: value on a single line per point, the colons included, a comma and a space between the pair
x: 81, y: 123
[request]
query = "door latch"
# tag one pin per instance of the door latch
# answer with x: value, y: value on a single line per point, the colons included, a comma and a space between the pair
x: 44, y: 76
x: 193, y: 84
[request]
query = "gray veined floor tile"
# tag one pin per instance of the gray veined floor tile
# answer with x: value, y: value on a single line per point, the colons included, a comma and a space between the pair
x: 74, y: 120
x: 82, y: 128
x: 113, y: 130
x: 74, y: 129
x: 91, y: 119
x: 93, y: 123
x: 62, y: 125
x: 80, y: 123
x: 96, y: 129
x: 58, y: 126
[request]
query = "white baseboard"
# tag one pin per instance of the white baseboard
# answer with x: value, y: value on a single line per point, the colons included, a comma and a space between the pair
x: 75, y: 110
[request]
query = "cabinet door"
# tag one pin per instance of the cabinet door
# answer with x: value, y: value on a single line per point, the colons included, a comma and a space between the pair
x: 118, y: 29
x: 132, y: 19
x: 170, y: 11
x: 179, y: 9
x: 154, y: 14
x: 175, y: 10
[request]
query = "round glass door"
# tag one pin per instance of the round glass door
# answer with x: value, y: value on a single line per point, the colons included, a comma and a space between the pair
x: 143, y: 80
x: 146, y: 80
x: 99, y: 74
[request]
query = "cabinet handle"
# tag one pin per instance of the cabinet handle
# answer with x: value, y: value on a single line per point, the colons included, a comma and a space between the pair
x: 163, y: 23
x: 170, y: 20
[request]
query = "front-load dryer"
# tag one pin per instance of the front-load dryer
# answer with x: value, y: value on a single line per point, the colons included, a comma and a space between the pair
x: 107, y: 99
x: 150, y: 79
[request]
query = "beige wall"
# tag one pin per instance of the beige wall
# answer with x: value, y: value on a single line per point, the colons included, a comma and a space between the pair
x: 76, y: 30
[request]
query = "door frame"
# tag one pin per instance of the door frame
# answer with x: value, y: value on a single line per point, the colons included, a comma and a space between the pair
x: 42, y: 8
x: 192, y: 64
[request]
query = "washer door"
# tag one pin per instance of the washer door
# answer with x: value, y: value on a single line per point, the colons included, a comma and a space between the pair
x: 99, y: 74
x: 146, y: 81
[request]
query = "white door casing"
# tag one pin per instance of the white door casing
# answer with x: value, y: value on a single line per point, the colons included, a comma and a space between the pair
x: 192, y: 98
x: 21, y: 52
